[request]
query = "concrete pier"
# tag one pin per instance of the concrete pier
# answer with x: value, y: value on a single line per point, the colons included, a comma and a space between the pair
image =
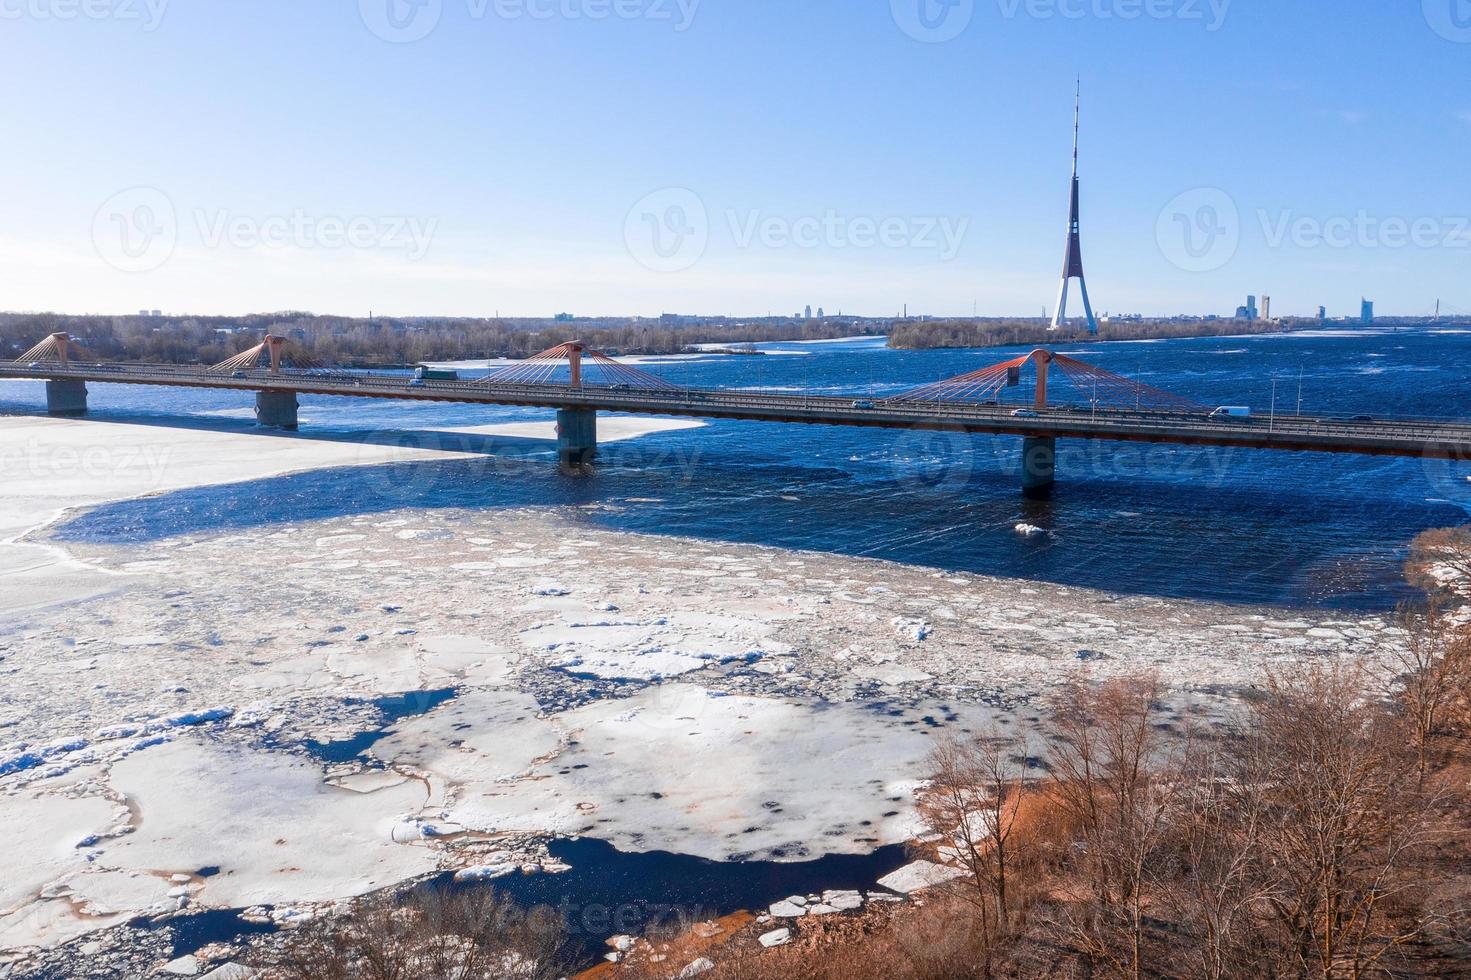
x: 276, y: 409
x: 1039, y: 467
x: 66, y: 397
x: 577, y: 438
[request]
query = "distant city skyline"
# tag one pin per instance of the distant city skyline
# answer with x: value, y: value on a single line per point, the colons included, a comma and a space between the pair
x: 466, y: 158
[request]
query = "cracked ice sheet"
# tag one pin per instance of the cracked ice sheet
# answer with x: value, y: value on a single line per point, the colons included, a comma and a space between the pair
x: 42, y: 834
x: 615, y: 648
x: 60, y: 464
x: 677, y: 768
x: 278, y: 833
x: 67, y: 463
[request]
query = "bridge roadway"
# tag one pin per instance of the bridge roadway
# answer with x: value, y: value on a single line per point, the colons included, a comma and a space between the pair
x: 1374, y: 437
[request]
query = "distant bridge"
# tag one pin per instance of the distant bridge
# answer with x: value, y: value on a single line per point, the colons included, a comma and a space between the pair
x: 578, y: 383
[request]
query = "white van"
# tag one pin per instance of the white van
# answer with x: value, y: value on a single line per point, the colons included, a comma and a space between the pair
x: 1231, y: 412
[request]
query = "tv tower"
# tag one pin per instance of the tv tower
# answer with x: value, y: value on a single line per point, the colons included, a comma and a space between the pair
x: 1072, y: 264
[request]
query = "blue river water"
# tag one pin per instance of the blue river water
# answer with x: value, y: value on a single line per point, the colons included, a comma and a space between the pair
x: 1229, y: 525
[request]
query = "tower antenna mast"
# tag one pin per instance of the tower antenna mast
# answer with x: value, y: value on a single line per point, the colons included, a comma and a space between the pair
x: 1072, y: 265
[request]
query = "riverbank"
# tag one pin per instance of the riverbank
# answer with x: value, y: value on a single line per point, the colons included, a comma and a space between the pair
x: 725, y: 701
x: 962, y: 334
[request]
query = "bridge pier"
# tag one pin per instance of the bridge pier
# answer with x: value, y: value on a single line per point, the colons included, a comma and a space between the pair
x: 1039, y: 467
x: 276, y: 409
x: 66, y: 397
x: 577, y: 438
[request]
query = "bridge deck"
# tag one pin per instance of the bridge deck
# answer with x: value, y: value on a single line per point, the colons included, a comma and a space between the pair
x: 1376, y: 437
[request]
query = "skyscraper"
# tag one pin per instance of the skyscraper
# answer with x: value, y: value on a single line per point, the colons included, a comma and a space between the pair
x: 1072, y: 263
x: 1366, y: 312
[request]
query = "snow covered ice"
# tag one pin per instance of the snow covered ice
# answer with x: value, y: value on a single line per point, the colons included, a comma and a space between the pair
x: 163, y: 705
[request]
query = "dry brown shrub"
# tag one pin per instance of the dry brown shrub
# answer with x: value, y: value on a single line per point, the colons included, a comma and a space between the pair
x: 470, y: 935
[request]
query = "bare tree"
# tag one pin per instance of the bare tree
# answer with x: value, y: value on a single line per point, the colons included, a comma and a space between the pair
x: 1440, y: 561
x: 1218, y: 824
x: 1342, y: 823
x: 1105, y: 742
x: 977, y: 800
x: 1432, y: 676
x: 471, y: 935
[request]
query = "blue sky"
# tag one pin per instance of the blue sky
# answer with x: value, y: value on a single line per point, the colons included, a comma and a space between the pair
x: 519, y: 157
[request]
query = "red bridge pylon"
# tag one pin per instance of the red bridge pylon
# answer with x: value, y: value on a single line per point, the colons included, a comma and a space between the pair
x: 584, y: 367
x: 1090, y: 385
x: 273, y: 353
x: 58, y: 348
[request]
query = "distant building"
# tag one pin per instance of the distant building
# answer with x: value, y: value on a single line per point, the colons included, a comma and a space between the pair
x: 820, y: 314
x: 1322, y: 314
x: 1249, y: 311
x: 807, y: 313
x: 563, y: 318
x: 1266, y: 307
x: 1366, y: 312
x: 157, y: 313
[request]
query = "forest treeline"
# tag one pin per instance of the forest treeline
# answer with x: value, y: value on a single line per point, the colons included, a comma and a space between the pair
x: 384, y: 342
x: 937, y: 334
x: 388, y: 341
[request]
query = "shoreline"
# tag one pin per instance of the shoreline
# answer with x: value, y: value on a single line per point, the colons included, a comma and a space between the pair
x: 652, y: 692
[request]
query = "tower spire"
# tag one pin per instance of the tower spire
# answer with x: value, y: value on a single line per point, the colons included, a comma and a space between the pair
x: 1077, y: 124
x: 1072, y: 263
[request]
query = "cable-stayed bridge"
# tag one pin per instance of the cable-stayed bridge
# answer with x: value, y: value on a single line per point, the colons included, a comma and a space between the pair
x: 1067, y: 399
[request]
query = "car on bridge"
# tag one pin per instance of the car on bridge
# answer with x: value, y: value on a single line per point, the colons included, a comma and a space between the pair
x: 1024, y: 413
x: 864, y: 406
x: 1231, y: 412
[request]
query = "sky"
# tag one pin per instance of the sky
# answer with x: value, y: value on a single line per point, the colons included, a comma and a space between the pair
x: 638, y: 157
